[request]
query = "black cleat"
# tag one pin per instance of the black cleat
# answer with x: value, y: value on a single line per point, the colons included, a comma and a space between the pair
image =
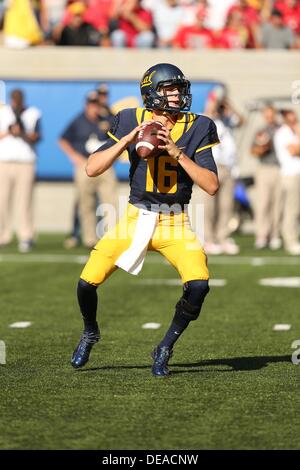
x: 161, y: 356
x: 82, y: 352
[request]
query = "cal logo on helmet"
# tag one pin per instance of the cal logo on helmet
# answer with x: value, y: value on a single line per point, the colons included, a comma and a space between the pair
x: 147, y: 80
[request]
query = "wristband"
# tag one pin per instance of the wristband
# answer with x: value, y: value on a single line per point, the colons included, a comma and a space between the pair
x: 178, y: 155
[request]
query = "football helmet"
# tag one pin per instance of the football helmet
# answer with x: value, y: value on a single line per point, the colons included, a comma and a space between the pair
x: 152, y: 88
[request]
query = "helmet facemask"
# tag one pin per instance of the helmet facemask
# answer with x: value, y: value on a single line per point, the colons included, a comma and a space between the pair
x: 158, y: 98
x: 167, y: 104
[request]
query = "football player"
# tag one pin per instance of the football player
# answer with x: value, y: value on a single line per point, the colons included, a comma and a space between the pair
x: 161, y: 188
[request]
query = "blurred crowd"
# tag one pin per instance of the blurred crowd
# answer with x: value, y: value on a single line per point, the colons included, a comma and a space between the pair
x: 184, y: 24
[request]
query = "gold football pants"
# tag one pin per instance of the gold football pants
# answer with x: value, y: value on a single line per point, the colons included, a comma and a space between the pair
x: 173, y: 238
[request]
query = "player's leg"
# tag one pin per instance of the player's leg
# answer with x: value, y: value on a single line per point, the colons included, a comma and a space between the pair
x: 187, y: 256
x: 99, y: 267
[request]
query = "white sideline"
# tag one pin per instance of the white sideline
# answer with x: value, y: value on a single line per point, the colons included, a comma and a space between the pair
x: 280, y: 282
x: 176, y: 282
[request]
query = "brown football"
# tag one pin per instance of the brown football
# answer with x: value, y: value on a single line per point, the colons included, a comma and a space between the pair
x: 147, y: 140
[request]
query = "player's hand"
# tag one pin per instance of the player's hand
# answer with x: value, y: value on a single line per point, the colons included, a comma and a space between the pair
x: 165, y: 135
x: 132, y: 136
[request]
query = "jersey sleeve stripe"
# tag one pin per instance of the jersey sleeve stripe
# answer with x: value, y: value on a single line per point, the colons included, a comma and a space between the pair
x: 206, y: 147
x: 113, y: 137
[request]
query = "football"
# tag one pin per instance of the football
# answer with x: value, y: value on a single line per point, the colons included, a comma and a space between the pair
x: 147, y: 140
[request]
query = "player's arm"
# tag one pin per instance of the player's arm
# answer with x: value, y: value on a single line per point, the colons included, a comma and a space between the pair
x: 100, y: 161
x: 204, y: 178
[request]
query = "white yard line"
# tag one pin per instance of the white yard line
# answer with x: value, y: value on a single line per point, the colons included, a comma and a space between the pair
x: 282, y: 327
x: 255, y: 261
x: 280, y: 282
x: 151, y: 326
x: 21, y: 324
x: 43, y: 258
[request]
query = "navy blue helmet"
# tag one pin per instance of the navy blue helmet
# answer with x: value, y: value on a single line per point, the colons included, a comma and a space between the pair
x: 154, y: 81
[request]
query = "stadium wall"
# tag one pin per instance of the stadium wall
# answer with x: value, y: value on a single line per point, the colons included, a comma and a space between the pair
x: 248, y: 73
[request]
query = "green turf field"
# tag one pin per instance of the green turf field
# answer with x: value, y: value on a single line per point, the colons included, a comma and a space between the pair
x: 233, y: 385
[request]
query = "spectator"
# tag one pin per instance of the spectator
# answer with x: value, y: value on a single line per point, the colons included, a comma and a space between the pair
x: 287, y: 147
x: 85, y: 134
x: 195, y: 36
x: 235, y: 35
x: 98, y: 15
x: 2, y: 10
x: 274, y: 35
x: 290, y: 10
x: 218, y: 99
x: 217, y: 13
x: 167, y: 16
x: 78, y: 32
x: 267, y: 183
x: 132, y: 24
x: 249, y: 18
x: 19, y: 132
x: 249, y: 13
x: 51, y: 18
x: 190, y: 9
x: 20, y: 27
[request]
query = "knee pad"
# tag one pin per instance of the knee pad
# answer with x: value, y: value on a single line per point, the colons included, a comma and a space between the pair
x: 195, y: 292
x: 185, y: 311
x: 189, y: 306
x: 85, y: 286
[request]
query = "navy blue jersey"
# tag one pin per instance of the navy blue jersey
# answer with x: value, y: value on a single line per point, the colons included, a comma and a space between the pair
x: 85, y: 135
x: 162, y: 180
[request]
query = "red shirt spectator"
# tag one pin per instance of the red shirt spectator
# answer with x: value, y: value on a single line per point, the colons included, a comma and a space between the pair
x: 196, y: 35
x: 235, y: 35
x: 249, y: 18
x: 132, y: 19
x: 249, y: 14
x: 290, y: 10
x: 98, y: 13
x: 128, y: 27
